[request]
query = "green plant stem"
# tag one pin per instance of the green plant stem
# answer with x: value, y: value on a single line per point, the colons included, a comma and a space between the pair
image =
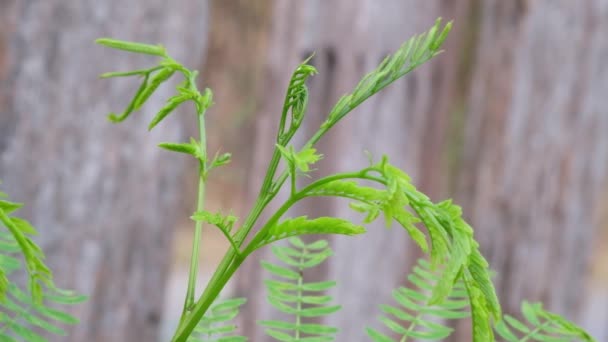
x: 232, y: 261
x: 198, y: 226
x: 299, y: 294
x: 226, y: 267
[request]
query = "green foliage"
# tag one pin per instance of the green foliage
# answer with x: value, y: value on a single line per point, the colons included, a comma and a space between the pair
x: 293, y: 296
x: 155, y: 76
x: 216, y: 325
x: 540, y: 326
x: 457, y: 276
x: 415, y: 318
x: 303, y: 226
x: 419, y: 318
x: 24, y: 314
x: 410, y: 55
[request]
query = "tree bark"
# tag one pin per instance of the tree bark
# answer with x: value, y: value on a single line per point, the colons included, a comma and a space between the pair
x: 104, y: 197
x: 536, y: 156
x: 408, y: 122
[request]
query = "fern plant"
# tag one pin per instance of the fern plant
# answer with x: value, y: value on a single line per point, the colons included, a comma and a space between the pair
x: 379, y: 188
x: 293, y: 296
x: 27, y: 311
x: 542, y: 326
x: 414, y: 318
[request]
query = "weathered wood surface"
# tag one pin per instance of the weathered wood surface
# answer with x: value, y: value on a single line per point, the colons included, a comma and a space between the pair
x: 536, y: 148
x: 104, y: 197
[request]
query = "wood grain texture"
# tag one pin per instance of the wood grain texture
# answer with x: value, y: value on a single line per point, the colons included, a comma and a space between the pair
x: 536, y: 152
x: 104, y: 197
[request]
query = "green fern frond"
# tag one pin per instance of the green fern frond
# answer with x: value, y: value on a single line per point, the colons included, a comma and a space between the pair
x: 292, y: 296
x: 453, y: 245
x: 216, y: 325
x: 19, y: 236
x: 410, y: 55
x: 24, y: 314
x: 415, y: 318
x: 302, y: 226
x: 540, y: 326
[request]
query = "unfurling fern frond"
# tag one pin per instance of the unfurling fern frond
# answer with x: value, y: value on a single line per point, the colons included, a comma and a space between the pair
x: 415, y: 318
x: 296, y: 101
x: 24, y: 314
x: 294, y: 297
x: 541, y: 326
x: 216, y: 325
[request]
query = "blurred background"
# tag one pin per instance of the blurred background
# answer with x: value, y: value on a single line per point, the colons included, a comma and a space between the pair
x: 510, y: 121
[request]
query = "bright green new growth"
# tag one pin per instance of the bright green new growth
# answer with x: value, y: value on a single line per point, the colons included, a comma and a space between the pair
x: 216, y: 325
x: 25, y: 313
x: 414, y: 318
x: 293, y: 296
x: 387, y: 190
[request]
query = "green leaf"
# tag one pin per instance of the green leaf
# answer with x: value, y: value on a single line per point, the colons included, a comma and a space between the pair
x: 8, y: 206
x: 141, y: 72
x: 543, y: 326
x: 416, y: 317
x: 186, y: 148
x: 156, y: 50
x: 169, y: 107
x: 302, y: 225
x: 376, y: 336
x: 280, y: 271
x: 216, y: 324
x: 131, y: 107
x: 150, y: 87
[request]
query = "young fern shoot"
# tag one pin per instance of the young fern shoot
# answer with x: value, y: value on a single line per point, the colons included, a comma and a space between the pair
x: 293, y: 296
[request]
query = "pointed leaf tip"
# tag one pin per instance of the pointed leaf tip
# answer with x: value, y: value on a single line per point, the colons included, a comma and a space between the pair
x: 155, y: 50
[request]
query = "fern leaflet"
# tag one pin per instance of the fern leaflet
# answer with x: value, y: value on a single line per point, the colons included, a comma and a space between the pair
x: 414, y: 318
x: 216, y: 325
x: 296, y: 298
x: 542, y: 326
x: 25, y: 314
x: 302, y: 225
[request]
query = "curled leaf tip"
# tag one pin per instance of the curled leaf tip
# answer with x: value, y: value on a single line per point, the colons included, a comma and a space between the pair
x: 112, y: 117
